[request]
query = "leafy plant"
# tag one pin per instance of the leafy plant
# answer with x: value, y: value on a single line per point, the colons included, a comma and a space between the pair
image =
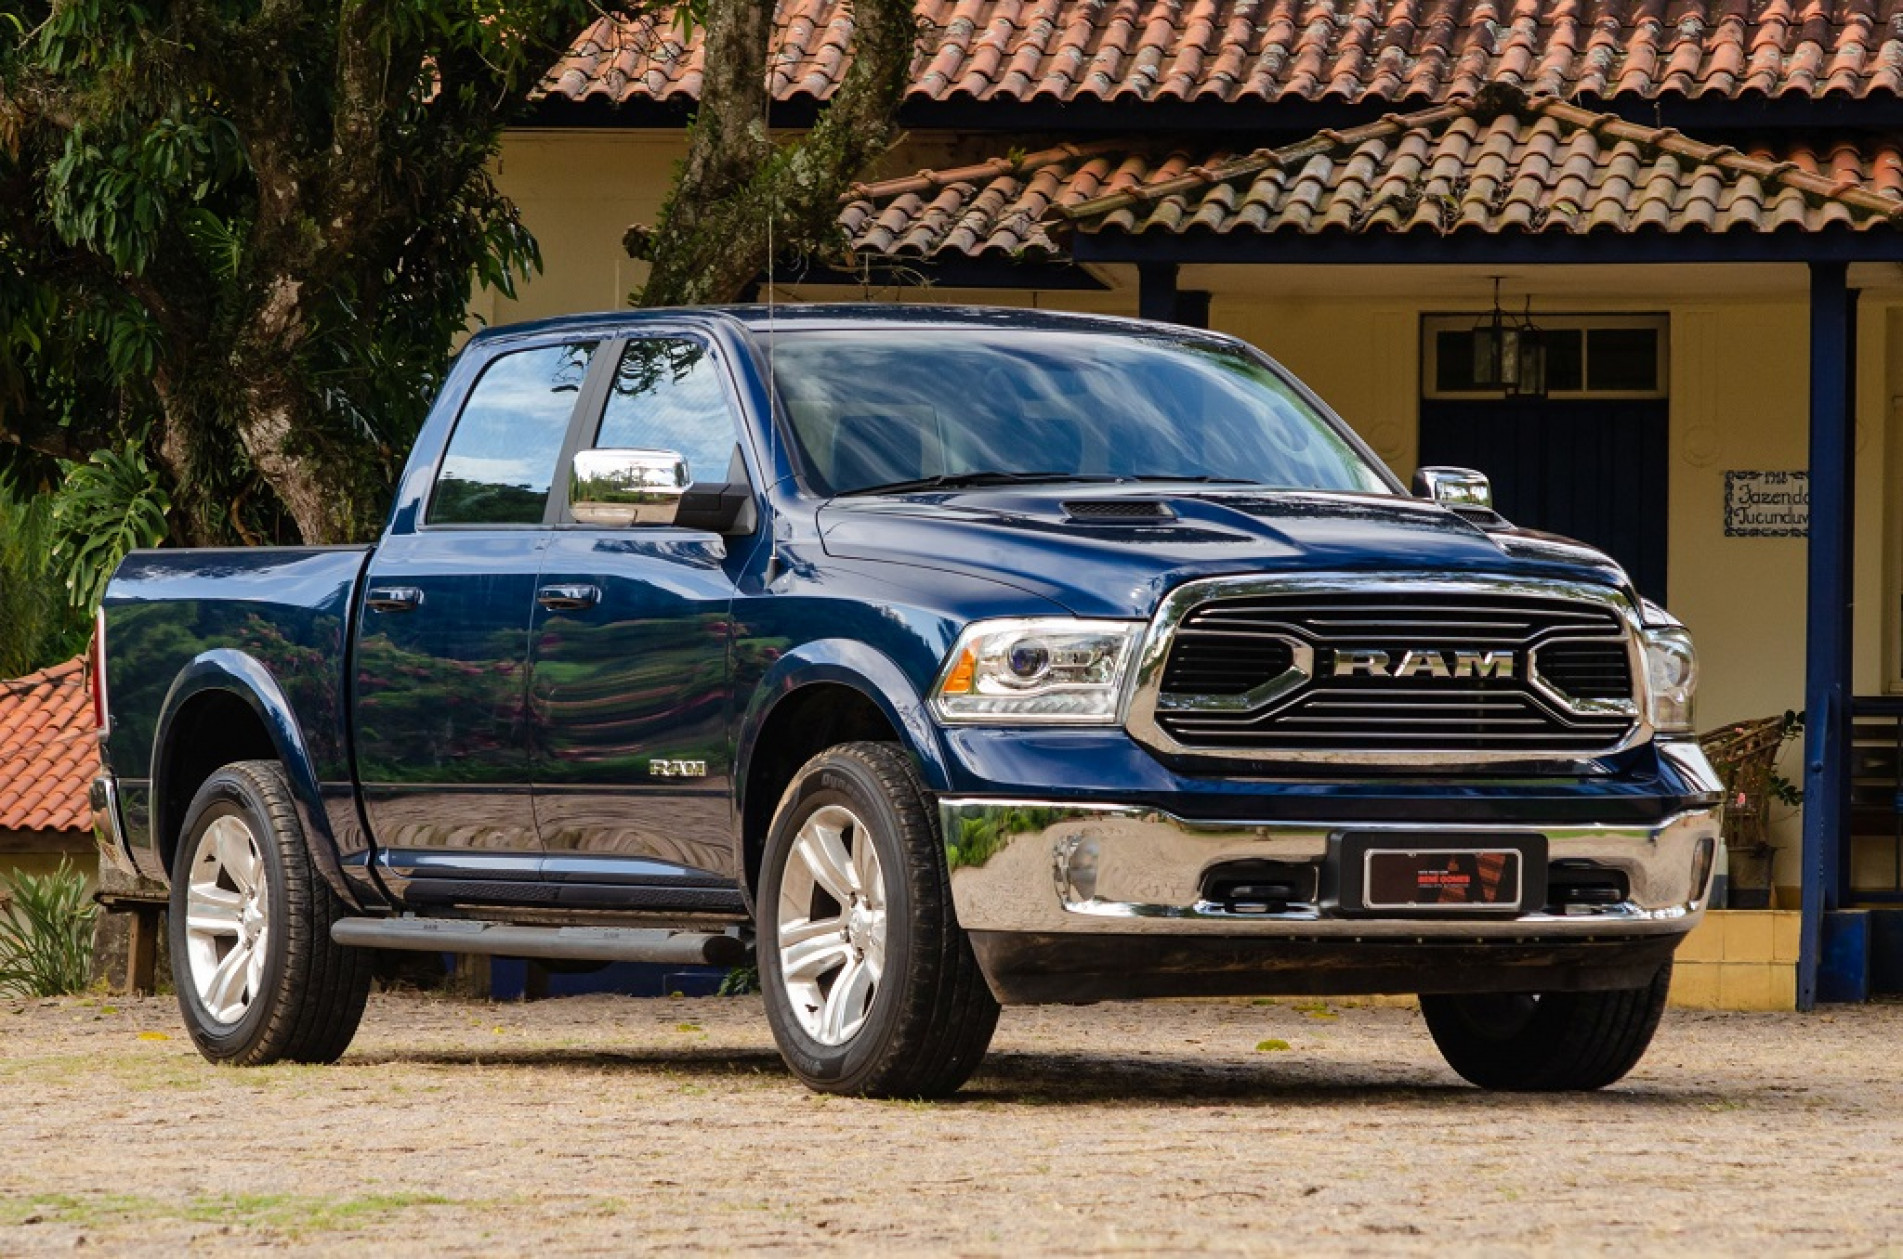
x: 1780, y: 788
x: 46, y: 933
x: 739, y: 981
x: 253, y: 232
x: 37, y: 628
x: 110, y: 505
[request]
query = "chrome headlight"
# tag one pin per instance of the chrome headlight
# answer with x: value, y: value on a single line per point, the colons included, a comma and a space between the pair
x: 1044, y: 670
x: 1671, y: 678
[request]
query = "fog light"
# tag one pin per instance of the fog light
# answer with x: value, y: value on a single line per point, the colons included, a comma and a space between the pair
x: 1702, y: 859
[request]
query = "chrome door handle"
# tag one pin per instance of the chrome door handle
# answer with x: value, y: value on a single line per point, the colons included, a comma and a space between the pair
x: 393, y: 598
x: 568, y: 598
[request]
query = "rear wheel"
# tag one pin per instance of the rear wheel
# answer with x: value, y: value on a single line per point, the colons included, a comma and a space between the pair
x: 258, y: 977
x: 871, y: 986
x: 1547, y: 1042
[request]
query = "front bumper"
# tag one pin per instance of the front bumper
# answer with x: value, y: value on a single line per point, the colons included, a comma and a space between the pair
x: 1070, y: 902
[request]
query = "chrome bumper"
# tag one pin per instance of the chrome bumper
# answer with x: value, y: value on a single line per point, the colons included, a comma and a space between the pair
x: 1051, y: 868
x: 109, y: 828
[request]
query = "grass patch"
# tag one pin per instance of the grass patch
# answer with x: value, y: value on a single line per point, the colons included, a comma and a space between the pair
x: 292, y: 1215
x: 1272, y: 1046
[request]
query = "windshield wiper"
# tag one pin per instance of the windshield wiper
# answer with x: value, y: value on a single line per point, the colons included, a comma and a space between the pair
x: 1199, y: 478
x: 966, y: 480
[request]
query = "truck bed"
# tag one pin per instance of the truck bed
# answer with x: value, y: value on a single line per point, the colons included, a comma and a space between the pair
x: 175, y: 615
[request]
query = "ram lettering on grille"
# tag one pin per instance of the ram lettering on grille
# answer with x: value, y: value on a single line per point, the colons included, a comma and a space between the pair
x: 1399, y: 672
x: 1415, y: 661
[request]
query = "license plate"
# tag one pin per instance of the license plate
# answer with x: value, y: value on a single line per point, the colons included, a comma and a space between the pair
x: 1400, y: 874
x: 1399, y: 879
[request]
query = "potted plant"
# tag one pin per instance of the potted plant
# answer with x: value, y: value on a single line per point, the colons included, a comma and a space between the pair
x: 1745, y: 756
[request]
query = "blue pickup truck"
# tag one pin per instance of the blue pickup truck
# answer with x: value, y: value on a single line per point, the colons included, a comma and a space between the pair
x: 937, y: 659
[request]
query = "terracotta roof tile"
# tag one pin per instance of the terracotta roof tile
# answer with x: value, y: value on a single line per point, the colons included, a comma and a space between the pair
x: 1500, y: 164
x: 1355, y: 50
x: 48, y: 753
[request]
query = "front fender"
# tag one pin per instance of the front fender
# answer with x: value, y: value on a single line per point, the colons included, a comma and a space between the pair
x: 865, y: 669
x: 236, y: 673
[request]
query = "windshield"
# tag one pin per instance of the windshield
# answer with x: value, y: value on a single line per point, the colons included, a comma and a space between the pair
x: 872, y: 409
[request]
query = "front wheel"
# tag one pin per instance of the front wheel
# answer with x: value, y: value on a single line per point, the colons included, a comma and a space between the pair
x: 258, y: 977
x: 1553, y: 1042
x: 871, y: 986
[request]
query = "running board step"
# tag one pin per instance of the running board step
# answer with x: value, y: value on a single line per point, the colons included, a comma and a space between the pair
x: 572, y: 944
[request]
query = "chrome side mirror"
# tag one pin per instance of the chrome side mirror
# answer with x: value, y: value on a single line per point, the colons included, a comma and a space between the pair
x: 1454, y: 487
x: 612, y: 488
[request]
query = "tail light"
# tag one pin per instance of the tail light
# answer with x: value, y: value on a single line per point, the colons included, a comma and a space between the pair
x: 99, y: 671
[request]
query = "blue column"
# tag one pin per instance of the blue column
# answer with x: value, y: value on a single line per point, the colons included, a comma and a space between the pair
x: 1827, y: 623
x: 1192, y: 308
x: 1156, y: 291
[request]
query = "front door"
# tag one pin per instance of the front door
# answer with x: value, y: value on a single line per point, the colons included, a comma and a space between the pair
x: 441, y: 676
x: 630, y: 689
x: 1588, y: 468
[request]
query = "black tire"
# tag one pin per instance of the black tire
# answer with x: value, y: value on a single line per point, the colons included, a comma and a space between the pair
x: 1556, y: 1042
x: 931, y: 1016
x: 309, y: 993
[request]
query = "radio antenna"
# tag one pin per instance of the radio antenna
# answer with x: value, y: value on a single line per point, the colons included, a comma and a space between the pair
x: 772, y: 381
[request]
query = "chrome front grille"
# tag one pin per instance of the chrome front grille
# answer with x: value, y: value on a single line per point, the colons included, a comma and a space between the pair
x: 1390, y: 671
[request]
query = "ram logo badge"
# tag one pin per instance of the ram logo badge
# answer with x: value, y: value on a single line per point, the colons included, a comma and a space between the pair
x: 663, y: 767
x: 1418, y: 661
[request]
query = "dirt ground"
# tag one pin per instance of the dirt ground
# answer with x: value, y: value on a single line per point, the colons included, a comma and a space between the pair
x: 604, y: 1125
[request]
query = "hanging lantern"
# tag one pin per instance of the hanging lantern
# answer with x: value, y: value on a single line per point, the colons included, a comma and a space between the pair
x: 1529, y: 376
x: 1496, y: 347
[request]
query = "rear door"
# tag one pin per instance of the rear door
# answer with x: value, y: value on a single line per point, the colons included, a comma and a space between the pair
x: 630, y: 691
x: 441, y: 677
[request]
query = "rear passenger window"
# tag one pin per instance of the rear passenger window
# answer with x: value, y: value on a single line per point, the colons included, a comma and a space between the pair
x: 667, y: 396
x: 502, y: 456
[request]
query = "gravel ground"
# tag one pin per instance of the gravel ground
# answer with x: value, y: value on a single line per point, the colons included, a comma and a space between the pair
x: 606, y: 1125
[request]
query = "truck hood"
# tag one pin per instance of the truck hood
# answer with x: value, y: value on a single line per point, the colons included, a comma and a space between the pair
x: 1038, y: 540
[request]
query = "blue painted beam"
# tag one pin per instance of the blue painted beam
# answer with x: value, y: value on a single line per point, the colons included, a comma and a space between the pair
x: 953, y: 271
x: 1827, y: 622
x: 1215, y: 122
x: 1492, y: 249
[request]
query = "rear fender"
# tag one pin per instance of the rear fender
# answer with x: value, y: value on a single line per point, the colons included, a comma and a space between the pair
x: 238, y: 674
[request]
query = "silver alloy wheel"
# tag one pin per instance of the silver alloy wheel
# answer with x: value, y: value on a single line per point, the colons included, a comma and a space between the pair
x: 227, y: 919
x: 830, y: 928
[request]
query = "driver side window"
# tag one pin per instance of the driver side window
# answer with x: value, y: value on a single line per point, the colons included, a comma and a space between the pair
x: 667, y: 395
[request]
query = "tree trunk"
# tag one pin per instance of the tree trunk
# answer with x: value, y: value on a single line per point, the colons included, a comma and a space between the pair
x: 713, y: 239
x: 323, y: 509
x: 283, y: 433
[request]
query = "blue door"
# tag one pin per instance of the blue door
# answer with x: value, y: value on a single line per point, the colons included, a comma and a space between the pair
x: 1592, y: 469
x: 630, y: 694
x: 441, y: 676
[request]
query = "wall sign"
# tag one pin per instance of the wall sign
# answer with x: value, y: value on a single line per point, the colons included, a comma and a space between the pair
x: 1767, y: 504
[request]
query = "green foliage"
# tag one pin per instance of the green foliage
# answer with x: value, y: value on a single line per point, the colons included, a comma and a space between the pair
x: 1781, y: 788
x: 248, y: 235
x: 46, y: 933
x: 110, y: 505
x: 37, y: 626
x: 739, y: 982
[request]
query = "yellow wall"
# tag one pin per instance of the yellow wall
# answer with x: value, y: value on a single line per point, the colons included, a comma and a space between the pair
x: 1738, y: 383
x: 43, y: 863
x: 579, y: 191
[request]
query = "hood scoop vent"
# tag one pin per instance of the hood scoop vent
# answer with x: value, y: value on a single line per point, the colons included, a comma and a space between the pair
x: 1117, y: 510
